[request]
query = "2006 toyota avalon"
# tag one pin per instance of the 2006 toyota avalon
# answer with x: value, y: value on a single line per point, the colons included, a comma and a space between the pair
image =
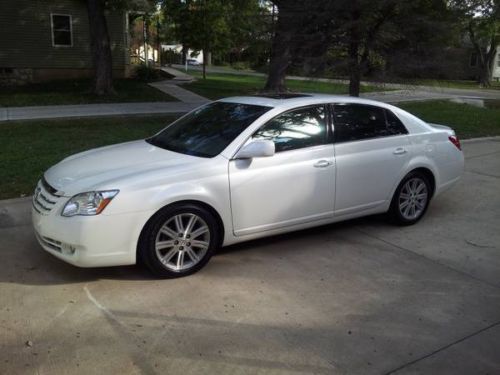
x: 238, y: 169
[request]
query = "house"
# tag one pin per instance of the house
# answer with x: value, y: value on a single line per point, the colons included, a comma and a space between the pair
x: 49, y: 39
x: 495, y: 73
x: 496, y: 66
x: 177, y: 49
x: 461, y: 63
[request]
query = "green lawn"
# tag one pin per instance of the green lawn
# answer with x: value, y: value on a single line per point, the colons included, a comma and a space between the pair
x: 78, y: 92
x: 218, y: 86
x: 467, y: 120
x: 28, y: 148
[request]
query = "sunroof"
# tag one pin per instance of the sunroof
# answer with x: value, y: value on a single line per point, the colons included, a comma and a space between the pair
x: 283, y: 96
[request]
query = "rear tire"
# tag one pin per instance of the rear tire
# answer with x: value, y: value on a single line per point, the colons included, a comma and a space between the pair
x: 411, y: 199
x: 178, y: 241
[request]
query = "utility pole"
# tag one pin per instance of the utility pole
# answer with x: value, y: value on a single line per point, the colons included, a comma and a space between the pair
x: 145, y: 38
x: 158, y: 44
x: 205, y: 39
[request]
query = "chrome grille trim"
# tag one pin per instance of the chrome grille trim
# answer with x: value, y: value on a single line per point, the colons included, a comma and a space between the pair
x: 52, y: 191
x: 36, y: 209
x: 44, y: 199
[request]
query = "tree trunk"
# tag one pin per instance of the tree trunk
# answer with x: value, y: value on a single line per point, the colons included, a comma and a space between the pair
x: 280, y: 53
x: 354, y: 64
x: 158, y: 44
x: 484, y: 75
x: 488, y: 65
x: 486, y: 57
x: 486, y: 61
x: 354, y: 70
x: 101, y: 48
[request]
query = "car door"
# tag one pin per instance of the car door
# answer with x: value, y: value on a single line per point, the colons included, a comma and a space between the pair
x: 296, y: 184
x: 372, y: 151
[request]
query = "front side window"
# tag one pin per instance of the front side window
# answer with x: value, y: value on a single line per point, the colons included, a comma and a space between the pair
x: 207, y: 131
x: 304, y: 127
x: 354, y: 122
x: 61, y: 30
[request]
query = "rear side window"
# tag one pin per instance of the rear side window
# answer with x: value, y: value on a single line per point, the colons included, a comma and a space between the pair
x: 354, y: 122
x: 394, y: 125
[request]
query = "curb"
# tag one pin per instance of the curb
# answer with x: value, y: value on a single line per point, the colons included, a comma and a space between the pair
x: 15, y: 200
x: 481, y: 139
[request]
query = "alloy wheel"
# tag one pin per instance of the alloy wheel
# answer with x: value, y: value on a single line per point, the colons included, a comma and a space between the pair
x: 182, y: 242
x: 413, y: 198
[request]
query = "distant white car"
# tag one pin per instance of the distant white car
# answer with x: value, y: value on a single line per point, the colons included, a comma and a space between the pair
x: 238, y: 169
x: 193, y: 62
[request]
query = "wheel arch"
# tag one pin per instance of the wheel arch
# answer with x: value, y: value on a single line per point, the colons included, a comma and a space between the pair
x: 208, y: 207
x: 430, y: 176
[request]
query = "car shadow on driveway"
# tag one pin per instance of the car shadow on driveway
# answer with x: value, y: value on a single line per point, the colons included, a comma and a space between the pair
x: 25, y: 262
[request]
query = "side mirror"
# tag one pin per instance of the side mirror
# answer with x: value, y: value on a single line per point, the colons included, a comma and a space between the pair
x: 256, y: 149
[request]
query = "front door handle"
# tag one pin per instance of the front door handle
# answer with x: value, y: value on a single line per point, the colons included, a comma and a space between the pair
x: 399, y: 151
x: 322, y: 164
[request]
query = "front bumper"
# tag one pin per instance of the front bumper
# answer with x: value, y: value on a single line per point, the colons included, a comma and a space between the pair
x: 89, y: 241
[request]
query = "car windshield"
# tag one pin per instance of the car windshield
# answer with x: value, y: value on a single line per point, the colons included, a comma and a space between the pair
x: 208, y: 130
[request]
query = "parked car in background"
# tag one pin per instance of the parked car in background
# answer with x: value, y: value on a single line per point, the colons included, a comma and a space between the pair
x: 193, y: 62
x: 238, y: 169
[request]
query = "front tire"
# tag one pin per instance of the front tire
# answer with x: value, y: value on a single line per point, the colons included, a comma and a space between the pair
x: 179, y: 240
x: 411, y: 199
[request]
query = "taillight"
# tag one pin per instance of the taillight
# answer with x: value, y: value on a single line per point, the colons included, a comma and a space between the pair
x: 453, y: 139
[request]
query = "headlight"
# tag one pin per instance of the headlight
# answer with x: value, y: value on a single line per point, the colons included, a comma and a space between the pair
x: 90, y: 203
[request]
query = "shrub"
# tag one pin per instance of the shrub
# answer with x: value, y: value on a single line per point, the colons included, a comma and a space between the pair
x: 148, y: 73
x: 241, y: 65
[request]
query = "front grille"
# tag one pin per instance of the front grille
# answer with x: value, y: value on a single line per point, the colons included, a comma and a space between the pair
x: 44, y: 198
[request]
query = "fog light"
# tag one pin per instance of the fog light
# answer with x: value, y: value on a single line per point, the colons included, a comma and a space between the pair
x: 68, y: 249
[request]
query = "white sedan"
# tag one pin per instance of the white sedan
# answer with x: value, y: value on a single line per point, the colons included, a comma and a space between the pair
x: 238, y: 169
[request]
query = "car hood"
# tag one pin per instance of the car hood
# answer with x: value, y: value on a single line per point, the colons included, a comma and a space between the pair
x: 102, y: 168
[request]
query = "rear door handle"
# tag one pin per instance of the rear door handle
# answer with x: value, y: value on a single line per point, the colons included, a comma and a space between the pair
x: 322, y: 164
x: 399, y: 151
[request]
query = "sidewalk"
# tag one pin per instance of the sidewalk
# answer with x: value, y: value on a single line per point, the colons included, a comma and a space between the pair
x: 171, y: 88
x: 93, y: 110
x: 188, y: 101
x: 398, y: 96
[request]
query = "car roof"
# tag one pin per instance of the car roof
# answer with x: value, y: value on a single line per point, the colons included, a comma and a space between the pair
x: 286, y: 101
x: 283, y: 103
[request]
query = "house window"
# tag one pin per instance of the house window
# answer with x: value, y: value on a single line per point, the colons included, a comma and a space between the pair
x: 62, y: 30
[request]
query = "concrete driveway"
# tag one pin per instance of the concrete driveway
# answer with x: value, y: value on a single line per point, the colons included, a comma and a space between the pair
x: 361, y: 297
